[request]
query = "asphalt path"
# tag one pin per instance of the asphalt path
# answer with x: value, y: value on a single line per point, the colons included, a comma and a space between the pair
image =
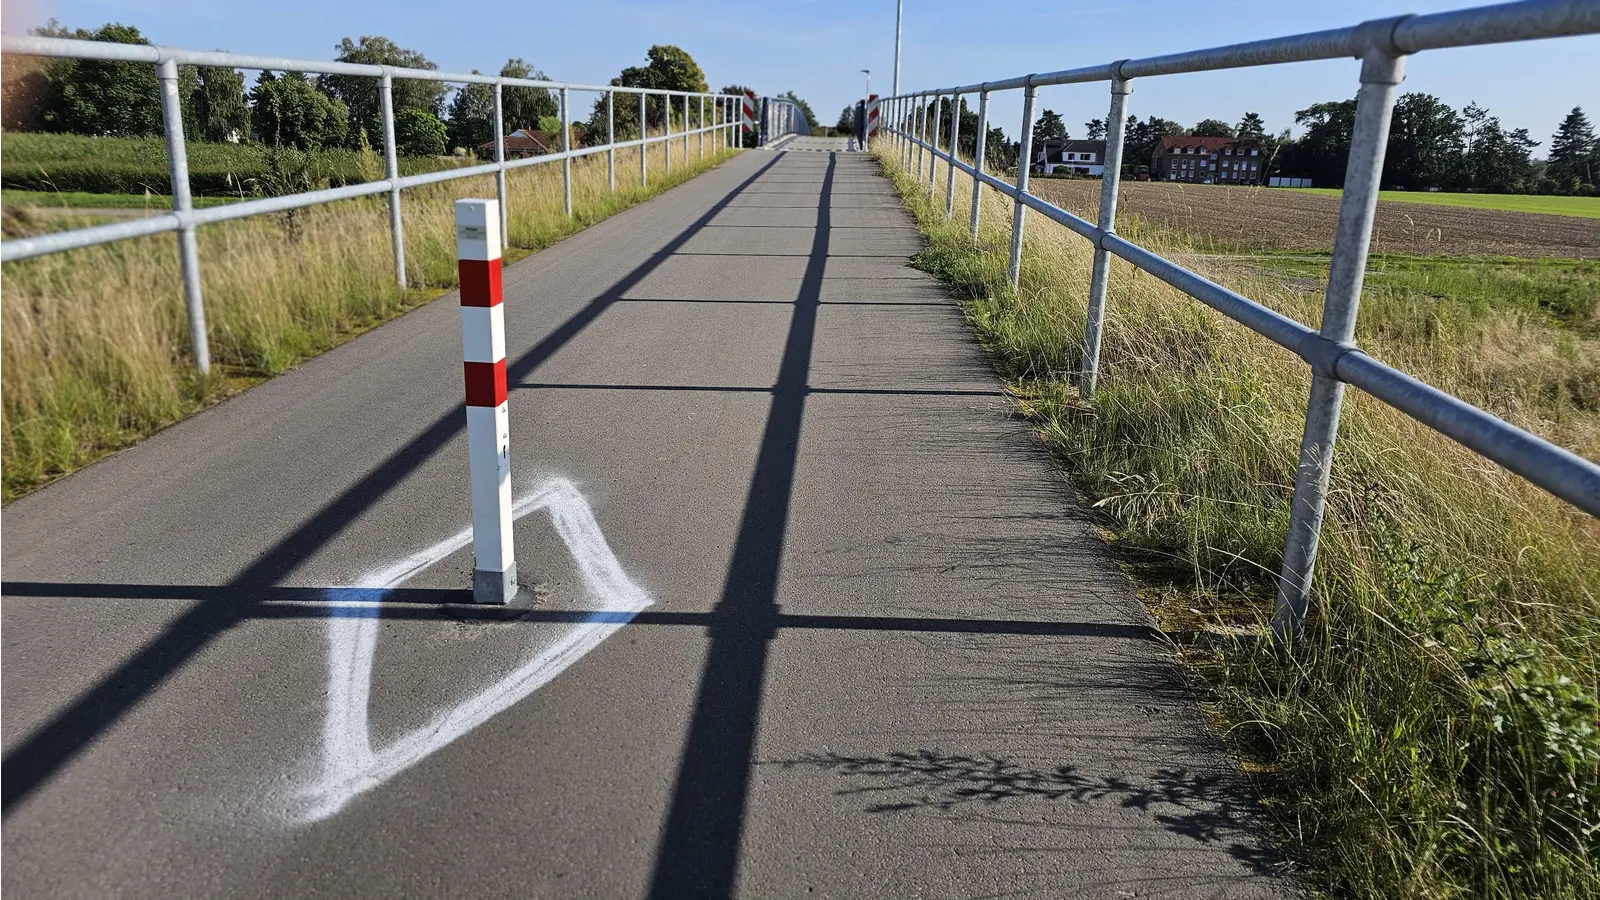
x: 811, y: 612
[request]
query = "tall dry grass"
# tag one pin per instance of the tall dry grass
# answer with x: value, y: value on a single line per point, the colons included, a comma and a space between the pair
x: 1435, y: 735
x: 93, y: 343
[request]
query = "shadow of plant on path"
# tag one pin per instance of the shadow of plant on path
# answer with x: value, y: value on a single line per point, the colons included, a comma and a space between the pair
x: 1208, y: 808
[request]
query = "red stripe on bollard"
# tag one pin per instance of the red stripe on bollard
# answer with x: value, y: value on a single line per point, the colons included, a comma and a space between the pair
x: 486, y: 383
x: 480, y: 281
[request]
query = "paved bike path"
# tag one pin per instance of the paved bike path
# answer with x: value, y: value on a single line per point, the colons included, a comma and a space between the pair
x: 814, y: 615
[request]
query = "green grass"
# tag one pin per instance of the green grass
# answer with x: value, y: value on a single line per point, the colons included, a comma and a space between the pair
x: 85, y: 200
x: 133, y: 165
x: 1435, y: 734
x: 1583, y: 207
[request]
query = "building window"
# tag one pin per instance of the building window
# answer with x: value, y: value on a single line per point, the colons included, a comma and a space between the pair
x: 1254, y: 151
x: 1227, y: 151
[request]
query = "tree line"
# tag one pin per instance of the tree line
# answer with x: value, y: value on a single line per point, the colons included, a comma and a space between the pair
x: 293, y: 110
x: 1431, y: 145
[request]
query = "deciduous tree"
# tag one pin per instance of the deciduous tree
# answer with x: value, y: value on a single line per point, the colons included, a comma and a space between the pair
x: 221, y: 111
x: 289, y: 111
x: 1212, y: 128
x: 359, y: 93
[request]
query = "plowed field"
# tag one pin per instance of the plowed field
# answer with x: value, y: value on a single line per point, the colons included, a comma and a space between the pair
x: 1269, y: 219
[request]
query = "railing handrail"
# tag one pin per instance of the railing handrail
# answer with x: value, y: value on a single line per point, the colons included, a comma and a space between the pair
x: 1330, y: 351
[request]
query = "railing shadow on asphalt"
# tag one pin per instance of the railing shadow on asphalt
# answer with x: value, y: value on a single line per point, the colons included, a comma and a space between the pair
x: 455, y: 604
x: 33, y: 762
x: 1208, y: 808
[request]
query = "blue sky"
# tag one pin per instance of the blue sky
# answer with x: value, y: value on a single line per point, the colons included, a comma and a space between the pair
x: 816, y: 48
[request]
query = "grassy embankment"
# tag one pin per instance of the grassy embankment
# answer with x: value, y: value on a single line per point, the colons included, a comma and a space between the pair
x: 95, y: 348
x: 1434, y: 735
x: 1583, y: 207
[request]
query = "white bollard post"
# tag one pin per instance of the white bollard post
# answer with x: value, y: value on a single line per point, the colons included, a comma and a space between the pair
x: 483, y: 349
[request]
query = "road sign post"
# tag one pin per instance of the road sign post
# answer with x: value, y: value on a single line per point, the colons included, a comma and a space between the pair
x: 483, y: 347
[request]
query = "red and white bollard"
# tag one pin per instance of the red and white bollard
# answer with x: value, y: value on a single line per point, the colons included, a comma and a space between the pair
x: 483, y: 348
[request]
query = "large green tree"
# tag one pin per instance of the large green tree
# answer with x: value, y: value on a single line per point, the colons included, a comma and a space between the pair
x: 359, y: 93
x: 1212, y: 128
x: 1141, y: 138
x: 1251, y: 125
x: 418, y: 132
x: 470, y: 115
x: 1049, y: 128
x: 668, y: 68
x: 1425, y: 144
x: 1322, y: 151
x: 289, y: 111
x: 221, y: 111
x: 523, y: 107
x: 96, y: 97
x: 1573, y: 152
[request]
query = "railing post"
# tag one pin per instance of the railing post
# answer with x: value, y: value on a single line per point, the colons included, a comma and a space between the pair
x: 979, y: 148
x: 1382, y: 70
x: 955, y: 151
x: 1024, y: 164
x: 1116, y: 126
x: 566, y: 148
x: 700, y: 127
x: 500, y: 159
x: 611, y: 141
x: 921, y: 132
x: 933, y: 150
x: 483, y: 349
x: 644, y: 146
x: 188, y: 247
x: 686, y: 129
x: 391, y: 166
x: 666, y: 123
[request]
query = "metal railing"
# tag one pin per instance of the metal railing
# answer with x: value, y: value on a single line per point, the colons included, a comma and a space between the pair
x: 1382, y: 46
x: 780, y: 117
x: 185, y: 219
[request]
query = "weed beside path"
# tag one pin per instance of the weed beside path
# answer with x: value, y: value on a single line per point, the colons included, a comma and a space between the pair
x: 94, y: 343
x: 1436, y: 734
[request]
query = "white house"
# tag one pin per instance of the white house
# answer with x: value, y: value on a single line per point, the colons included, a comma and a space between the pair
x: 1070, y: 157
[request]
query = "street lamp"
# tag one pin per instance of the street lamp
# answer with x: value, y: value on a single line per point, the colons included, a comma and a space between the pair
x: 899, y: 7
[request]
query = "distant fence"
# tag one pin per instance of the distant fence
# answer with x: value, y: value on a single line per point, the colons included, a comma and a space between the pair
x: 1382, y: 46
x: 1280, y: 181
x: 184, y: 218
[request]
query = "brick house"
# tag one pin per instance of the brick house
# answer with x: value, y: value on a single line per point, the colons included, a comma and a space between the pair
x: 1070, y: 157
x: 1208, y: 160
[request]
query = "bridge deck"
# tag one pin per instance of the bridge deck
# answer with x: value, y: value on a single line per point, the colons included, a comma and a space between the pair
x: 885, y: 654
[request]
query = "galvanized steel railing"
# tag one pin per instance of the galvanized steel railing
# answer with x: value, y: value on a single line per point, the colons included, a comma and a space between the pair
x: 780, y: 117
x: 184, y: 218
x: 1382, y: 46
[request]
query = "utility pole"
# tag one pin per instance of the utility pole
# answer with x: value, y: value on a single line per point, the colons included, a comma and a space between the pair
x: 899, y: 8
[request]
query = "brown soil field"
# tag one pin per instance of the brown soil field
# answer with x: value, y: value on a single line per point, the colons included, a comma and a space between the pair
x: 1274, y: 219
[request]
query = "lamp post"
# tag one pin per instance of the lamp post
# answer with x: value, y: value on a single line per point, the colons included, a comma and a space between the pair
x: 899, y: 8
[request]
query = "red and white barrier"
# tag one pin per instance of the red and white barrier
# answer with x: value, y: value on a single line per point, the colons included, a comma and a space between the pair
x: 872, y: 114
x: 749, y: 105
x: 483, y: 349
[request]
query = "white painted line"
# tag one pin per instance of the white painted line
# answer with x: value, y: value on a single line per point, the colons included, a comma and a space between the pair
x: 351, y: 765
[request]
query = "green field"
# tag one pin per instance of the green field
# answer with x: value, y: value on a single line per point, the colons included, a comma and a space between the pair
x: 1583, y: 207
x: 133, y: 165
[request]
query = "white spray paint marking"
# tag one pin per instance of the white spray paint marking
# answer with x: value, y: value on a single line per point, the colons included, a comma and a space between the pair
x: 350, y: 764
